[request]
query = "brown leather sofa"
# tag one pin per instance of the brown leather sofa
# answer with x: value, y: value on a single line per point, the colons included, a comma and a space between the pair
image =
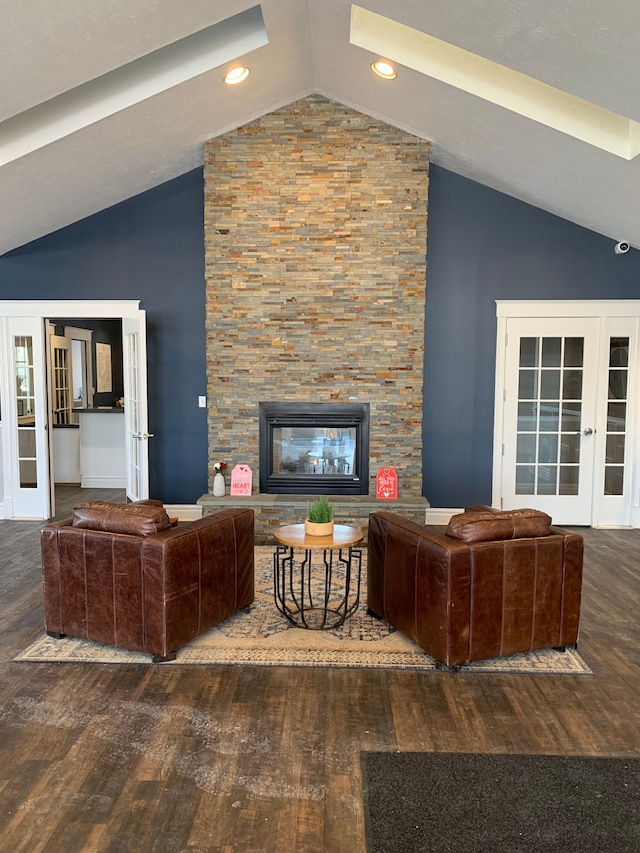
x: 124, y: 575
x: 494, y: 584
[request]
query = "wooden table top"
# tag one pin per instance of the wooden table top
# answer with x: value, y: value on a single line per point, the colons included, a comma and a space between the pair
x: 294, y: 536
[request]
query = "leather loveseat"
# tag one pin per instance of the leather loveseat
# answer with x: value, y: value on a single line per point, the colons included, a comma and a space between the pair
x: 124, y: 575
x: 494, y: 584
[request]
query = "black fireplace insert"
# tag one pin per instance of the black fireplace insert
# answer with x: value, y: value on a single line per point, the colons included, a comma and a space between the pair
x: 314, y: 448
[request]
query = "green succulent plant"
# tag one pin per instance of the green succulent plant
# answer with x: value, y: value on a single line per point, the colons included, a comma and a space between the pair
x: 320, y: 511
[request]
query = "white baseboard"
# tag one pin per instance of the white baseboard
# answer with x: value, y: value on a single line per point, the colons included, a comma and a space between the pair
x: 183, y: 512
x: 439, y: 515
x: 103, y: 483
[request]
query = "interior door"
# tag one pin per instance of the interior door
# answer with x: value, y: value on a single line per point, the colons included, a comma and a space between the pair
x: 28, y: 484
x: 549, y: 420
x: 27, y: 419
x: 80, y: 341
x: 566, y: 414
x: 60, y: 379
x: 134, y: 348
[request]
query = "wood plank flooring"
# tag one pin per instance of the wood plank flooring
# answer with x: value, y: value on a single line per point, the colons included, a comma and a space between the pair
x: 131, y: 759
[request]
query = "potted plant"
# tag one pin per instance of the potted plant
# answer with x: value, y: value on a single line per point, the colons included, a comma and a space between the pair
x: 319, y: 520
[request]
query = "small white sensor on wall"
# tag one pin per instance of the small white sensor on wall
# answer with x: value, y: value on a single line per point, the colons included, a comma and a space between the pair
x: 621, y: 248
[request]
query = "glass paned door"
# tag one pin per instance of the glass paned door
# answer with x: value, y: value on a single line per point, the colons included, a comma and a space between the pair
x: 135, y: 406
x: 549, y: 416
x: 617, y: 425
x: 61, y: 381
x: 25, y: 411
x: 550, y: 387
x: 566, y: 413
x: 28, y: 421
x: 616, y: 429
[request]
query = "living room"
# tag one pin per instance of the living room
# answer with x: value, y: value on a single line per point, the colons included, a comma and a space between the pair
x: 483, y: 245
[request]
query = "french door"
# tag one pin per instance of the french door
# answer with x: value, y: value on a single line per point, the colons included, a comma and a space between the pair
x: 566, y: 402
x: 27, y: 412
x: 135, y: 407
x: 26, y: 421
x: 60, y: 379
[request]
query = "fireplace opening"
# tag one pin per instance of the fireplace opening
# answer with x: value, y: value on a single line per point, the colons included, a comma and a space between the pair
x: 314, y: 448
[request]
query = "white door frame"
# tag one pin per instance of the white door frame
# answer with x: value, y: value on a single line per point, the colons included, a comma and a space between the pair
x: 604, y: 310
x: 85, y: 337
x: 20, y: 498
x: 46, y: 309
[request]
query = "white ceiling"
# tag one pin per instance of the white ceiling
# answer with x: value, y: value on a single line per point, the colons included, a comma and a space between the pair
x: 76, y: 163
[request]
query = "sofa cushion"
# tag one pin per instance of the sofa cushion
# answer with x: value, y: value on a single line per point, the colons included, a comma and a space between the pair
x: 491, y: 526
x: 136, y: 519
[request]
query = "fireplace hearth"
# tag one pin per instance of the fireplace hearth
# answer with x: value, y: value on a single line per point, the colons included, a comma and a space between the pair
x: 314, y: 448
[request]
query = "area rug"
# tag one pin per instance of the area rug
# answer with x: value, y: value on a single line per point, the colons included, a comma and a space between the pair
x: 459, y: 803
x: 262, y: 637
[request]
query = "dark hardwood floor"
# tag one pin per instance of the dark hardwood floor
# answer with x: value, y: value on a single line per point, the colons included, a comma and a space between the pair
x: 132, y: 759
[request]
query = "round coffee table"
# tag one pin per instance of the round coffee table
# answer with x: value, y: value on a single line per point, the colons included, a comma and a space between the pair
x: 322, y: 589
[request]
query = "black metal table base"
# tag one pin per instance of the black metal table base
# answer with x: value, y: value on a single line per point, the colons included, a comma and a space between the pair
x: 317, y: 597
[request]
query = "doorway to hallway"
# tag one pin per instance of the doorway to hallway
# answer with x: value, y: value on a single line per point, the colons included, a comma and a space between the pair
x: 26, y: 428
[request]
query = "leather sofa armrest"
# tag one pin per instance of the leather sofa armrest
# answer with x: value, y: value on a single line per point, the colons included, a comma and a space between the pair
x: 196, y: 575
x: 51, y: 574
x: 382, y: 524
x: 411, y: 570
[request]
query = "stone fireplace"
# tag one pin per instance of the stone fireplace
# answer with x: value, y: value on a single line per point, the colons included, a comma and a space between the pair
x: 315, y: 252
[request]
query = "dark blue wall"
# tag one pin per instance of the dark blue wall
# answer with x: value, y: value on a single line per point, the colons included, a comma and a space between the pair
x: 148, y: 248
x: 484, y: 246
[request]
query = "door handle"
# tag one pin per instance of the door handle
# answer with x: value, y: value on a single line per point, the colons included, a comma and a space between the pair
x: 142, y: 435
x: 587, y: 431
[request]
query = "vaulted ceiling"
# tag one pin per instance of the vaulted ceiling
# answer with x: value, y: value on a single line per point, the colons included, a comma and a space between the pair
x: 102, y: 99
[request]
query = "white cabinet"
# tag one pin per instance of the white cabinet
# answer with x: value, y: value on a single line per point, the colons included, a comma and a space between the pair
x: 66, y: 455
x: 102, y: 449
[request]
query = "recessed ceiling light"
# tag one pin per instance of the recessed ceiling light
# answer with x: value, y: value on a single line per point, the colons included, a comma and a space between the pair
x: 384, y: 69
x: 236, y: 75
x: 211, y: 49
x: 496, y: 83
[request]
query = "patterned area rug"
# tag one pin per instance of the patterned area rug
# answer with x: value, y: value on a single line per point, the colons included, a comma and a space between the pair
x: 262, y: 637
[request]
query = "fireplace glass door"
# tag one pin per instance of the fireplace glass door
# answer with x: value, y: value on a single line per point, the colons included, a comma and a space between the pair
x: 314, y: 448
